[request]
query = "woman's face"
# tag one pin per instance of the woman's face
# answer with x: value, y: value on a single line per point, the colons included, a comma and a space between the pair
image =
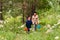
x: 34, y: 14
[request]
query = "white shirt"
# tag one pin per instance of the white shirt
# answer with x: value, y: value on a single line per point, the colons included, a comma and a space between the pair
x: 35, y: 19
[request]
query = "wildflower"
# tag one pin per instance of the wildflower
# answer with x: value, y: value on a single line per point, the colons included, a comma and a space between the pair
x: 18, y: 27
x: 4, y: 22
x: 9, y: 11
x: 22, y: 25
x: 33, y: 29
x: 11, y: 28
x: 1, y: 26
x: 2, y: 38
x: 5, y: 39
x: 58, y: 22
x: 49, y: 26
x: 1, y: 21
x: 10, y: 2
x: 50, y: 16
x: 8, y: 18
x: 59, y: 26
x: 30, y: 28
x: 0, y: 12
x: 58, y: 16
x: 50, y: 3
x: 49, y: 30
x: 57, y: 37
x: 53, y: 26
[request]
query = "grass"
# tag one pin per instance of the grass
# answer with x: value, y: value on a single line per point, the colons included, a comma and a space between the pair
x: 34, y: 35
x: 7, y: 35
x: 39, y: 35
x: 11, y: 25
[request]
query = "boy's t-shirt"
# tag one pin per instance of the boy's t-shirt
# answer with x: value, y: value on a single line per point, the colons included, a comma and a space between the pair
x: 28, y: 23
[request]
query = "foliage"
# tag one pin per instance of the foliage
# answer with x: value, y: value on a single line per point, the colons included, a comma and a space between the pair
x: 49, y: 17
x: 48, y: 11
x: 40, y: 35
x: 12, y: 24
x: 7, y: 35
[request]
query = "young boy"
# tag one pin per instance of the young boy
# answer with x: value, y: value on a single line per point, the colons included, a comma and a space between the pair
x: 28, y: 23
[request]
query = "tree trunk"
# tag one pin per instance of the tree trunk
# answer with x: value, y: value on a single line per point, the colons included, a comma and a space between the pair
x: 33, y: 7
x: 1, y: 16
x: 24, y: 10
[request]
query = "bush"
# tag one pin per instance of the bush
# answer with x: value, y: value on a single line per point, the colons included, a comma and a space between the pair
x: 7, y: 35
x: 12, y: 24
x: 47, y: 20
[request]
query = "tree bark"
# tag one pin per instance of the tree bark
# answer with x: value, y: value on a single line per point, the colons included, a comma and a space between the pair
x: 1, y: 15
x: 33, y: 7
x: 24, y: 10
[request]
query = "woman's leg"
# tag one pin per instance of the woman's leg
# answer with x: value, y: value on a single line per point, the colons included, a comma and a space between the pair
x: 35, y: 27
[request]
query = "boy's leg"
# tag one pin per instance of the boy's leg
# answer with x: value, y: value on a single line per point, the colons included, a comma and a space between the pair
x: 28, y: 30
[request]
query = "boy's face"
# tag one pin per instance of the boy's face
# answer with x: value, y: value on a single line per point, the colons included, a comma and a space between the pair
x: 29, y: 18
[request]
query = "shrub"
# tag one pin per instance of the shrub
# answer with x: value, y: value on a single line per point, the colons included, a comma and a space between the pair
x: 7, y: 35
x: 12, y: 24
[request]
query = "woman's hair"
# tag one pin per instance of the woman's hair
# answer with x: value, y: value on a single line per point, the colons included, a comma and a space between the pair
x: 35, y: 12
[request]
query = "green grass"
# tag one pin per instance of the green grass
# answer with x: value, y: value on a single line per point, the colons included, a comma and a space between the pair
x: 34, y: 35
x: 48, y: 17
x: 7, y: 35
x: 39, y: 35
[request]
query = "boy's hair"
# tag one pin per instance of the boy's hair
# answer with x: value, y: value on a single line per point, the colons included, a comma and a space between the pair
x: 28, y: 17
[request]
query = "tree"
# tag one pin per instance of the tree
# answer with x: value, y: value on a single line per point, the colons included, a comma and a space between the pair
x: 1, y: 15
x: 24, y: 9
x: 33, y: 7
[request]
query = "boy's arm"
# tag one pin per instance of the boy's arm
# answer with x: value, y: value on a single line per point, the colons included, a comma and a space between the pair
x: 26, y: 23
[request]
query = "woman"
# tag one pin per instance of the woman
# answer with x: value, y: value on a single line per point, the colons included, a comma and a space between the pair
x: 35, y: 19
